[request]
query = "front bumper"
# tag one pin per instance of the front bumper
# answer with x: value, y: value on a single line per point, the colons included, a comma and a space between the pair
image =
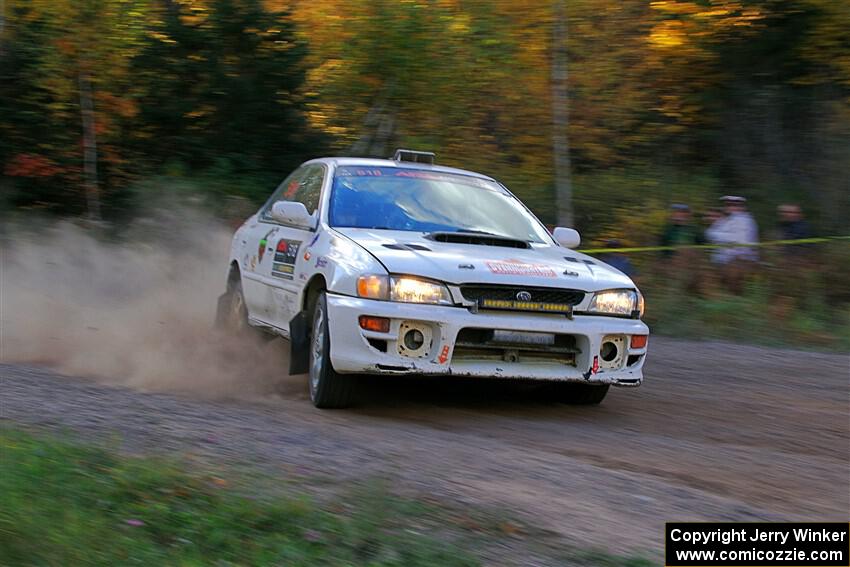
x: 355, y: 350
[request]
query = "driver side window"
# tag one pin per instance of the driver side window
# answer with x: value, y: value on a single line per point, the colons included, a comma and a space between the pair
x: 304, y: 185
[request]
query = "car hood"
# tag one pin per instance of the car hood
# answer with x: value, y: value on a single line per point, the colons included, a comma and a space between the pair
x: 403, y: 252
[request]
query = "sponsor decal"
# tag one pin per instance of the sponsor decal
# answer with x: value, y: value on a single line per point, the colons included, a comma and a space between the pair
x: 307, y: 255
x: 353, y: 171
x: 321, y: 262
x: 595, y: 367
x: 572, y: 274
x: 285, y: 255
x: 518, y: 268
x: 444, y: 355
x: 253, y: 263
x: 264, y: 242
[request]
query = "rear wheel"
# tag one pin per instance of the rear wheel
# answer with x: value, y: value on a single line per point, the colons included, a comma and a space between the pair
x: 327, y: 388
x: 232, y: 313
x: 580, y: 394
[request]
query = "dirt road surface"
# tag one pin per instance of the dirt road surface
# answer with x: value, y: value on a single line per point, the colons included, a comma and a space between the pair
x: 718, y: 432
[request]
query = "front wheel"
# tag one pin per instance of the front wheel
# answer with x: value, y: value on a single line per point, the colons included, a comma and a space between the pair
x: 327, y: 388
x: 580, y: 394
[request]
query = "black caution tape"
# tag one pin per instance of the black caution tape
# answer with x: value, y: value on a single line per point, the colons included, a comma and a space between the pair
x: 818, y: 240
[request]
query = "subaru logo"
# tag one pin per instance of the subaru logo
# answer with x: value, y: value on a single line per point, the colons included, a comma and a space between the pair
x: 523, y: 296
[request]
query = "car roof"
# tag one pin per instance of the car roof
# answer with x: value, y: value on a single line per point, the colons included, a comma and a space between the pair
x: 372, y: 162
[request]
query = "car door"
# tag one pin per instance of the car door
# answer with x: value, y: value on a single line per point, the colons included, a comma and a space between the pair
x: 252, y: 251
x: 283, y: 260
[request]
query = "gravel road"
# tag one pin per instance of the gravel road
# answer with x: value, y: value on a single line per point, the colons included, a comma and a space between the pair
x: 717, y: 432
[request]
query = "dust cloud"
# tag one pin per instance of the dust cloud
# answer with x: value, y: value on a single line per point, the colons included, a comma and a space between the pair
x: 138, y: 312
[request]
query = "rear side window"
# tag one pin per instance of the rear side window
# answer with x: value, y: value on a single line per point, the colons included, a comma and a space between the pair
x: 304, y: 185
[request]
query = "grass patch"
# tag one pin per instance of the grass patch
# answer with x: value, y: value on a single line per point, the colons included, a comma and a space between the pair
x: 779, y: 304
x: 66, y: 503
x: 62, y: 503
x: 750, y: 318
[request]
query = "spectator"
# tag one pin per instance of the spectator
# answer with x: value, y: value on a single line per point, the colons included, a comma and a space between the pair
x: 792, y: 226
x: 680, y: 229
x: 737, y: 226
x: 710, y: 217
x: 616, y: 260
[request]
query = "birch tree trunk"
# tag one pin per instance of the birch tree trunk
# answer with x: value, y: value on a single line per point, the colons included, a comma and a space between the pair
x: 560, y: 119
x: 89, y: 148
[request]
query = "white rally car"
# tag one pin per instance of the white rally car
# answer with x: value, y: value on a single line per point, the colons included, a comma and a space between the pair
x: 400, y: 266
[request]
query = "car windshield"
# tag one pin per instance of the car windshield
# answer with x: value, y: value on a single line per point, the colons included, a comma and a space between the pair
x: 428, y: 201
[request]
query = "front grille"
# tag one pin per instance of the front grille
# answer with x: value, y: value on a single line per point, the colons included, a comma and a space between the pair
x: 476, y: 293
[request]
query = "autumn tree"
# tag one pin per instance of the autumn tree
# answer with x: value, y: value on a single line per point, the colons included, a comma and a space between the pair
x: 81, y: 52
x: 217, y: 81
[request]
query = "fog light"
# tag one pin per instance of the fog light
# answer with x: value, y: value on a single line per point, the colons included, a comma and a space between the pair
x: 377, y: 324
x: 608, y: 352
x: 414, y: 339
x: 612, y: 352
x: 639, y: 341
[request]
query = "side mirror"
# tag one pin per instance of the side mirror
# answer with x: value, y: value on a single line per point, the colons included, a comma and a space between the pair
x: 567, y: 237
x: 292, y: 213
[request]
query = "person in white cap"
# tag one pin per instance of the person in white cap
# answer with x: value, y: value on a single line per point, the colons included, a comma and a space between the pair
x: 737, y: 226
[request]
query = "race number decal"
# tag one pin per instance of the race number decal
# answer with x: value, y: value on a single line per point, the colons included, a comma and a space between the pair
x: 285, y: 254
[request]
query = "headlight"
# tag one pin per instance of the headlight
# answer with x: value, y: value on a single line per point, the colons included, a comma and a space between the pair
x: 617, y: 302
x: 403, y: 288
x: 412, y: 290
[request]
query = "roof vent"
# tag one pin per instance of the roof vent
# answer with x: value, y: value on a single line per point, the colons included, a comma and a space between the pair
x: 414, y: 156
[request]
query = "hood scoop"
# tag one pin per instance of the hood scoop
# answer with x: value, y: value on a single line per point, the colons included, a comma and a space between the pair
x: 577, y: 261
x: 407, y: 247
x: 477, y: 239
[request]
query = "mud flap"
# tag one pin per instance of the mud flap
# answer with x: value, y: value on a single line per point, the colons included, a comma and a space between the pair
x: 299, y: 339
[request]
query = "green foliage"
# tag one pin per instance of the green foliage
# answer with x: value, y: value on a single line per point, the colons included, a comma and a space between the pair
x: 67, y: 504
x: 221, y: 87
x: 668, y: 100
x: 631, y: 204
x: 213, y: 86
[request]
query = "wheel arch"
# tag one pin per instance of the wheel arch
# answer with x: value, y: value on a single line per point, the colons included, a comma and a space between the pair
x: 299, y: 326
x: 316, y: 285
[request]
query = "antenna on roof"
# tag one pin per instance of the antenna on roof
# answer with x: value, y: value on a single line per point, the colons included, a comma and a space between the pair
x: 414, y: 156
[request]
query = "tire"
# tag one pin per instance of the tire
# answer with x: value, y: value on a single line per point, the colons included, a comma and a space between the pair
x: 328, y: 390
x: 232, y: 313
x: 580, y: 394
